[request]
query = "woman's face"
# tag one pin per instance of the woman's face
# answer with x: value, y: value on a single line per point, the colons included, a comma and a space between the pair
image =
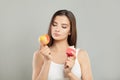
x: 60, y: 28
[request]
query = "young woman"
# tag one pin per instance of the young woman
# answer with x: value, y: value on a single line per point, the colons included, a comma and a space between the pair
x: 50, y: 62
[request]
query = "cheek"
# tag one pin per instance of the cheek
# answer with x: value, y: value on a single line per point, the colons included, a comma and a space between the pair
x: 65, y: 32
x: 51, y: 30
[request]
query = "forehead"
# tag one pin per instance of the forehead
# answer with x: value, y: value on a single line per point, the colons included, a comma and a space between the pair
x: 61, y: 19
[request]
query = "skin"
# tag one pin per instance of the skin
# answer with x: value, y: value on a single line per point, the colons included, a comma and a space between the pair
x: 42, y: 58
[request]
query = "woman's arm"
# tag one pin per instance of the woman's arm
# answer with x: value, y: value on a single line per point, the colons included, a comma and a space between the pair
x: 40, y: 67
x: 85, y: 65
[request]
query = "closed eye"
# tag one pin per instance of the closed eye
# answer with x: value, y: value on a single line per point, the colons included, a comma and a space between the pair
x: 64, y: 27
x: 54, y: 24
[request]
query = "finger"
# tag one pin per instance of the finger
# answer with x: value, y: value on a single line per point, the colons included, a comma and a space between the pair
x: 43, y: 50
x: 47, y: 52
x: 41, y: 45
x: 49, y: 56
x: 70, y: 62
x: 73, y: 57
x: 67, y: 64
x: 70, y: 59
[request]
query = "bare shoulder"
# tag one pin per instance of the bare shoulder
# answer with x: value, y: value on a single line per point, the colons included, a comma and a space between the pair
x: 37, y: 57
x: 83, y: 55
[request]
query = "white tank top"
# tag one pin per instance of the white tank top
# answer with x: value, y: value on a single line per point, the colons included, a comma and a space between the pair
x: 56, y: 71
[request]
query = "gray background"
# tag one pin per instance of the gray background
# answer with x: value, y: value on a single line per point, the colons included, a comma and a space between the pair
x: 22, y: 21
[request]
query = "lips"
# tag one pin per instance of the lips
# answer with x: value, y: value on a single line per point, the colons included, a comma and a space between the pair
x: 56, y: 34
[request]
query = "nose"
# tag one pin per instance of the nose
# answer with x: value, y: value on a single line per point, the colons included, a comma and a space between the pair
x: 57, y: 29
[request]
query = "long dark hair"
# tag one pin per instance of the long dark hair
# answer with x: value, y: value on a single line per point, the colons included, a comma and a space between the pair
x: 73, y: 31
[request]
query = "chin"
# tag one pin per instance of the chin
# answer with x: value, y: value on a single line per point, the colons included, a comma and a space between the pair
x: 56, y: 38
x: 59, y: 38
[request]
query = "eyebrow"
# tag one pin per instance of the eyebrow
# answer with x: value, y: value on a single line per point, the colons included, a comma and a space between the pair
x: 62, y: 23
x: 65, y: 24
x: 54, y: 22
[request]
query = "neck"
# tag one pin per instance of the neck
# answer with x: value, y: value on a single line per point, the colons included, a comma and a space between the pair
x: 60, y: 46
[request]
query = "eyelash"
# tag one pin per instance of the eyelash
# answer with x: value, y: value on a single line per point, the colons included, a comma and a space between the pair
x: 54, y: 25
x: 64, y: 27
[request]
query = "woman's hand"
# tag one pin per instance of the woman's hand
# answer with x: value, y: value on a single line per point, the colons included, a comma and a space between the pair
x: 45, y: 51
x: 69, y: 64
